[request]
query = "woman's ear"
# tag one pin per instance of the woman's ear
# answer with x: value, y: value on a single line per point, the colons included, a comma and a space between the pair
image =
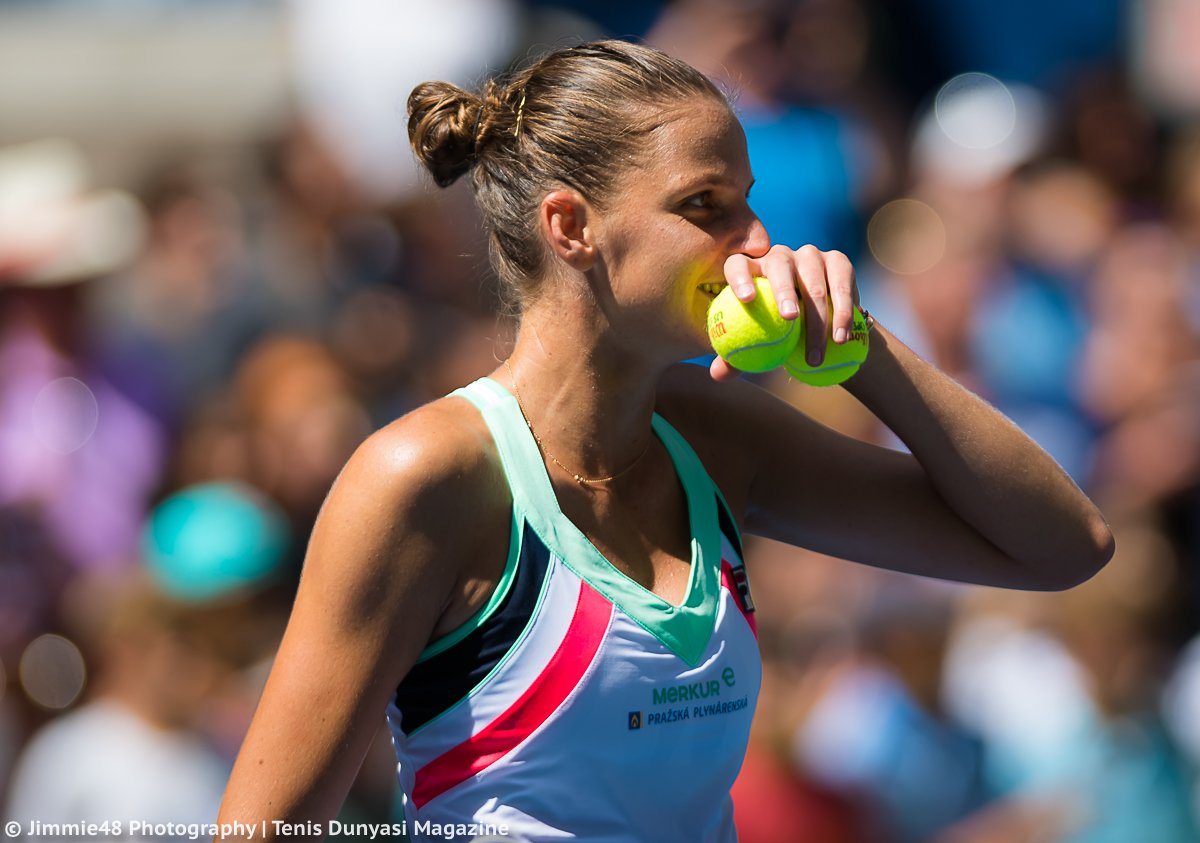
x: 563, y: 215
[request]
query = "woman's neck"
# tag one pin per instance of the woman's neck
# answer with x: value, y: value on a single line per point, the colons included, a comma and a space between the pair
x: 588, y: 399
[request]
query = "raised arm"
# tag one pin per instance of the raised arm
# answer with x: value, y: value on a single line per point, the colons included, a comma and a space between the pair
x: 384, y: 573
x: 986, y: 470
x: 975, y: 501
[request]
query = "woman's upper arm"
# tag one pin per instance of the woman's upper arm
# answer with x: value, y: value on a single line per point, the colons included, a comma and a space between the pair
x: 381, y: 568
x: 837, y: 495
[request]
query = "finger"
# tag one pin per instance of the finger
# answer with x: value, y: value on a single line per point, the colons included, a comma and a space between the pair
x: 719, y: 370
x: 781, y: 272
x: 810, y: 263
x: 739, y: 272
x: 839, y: 273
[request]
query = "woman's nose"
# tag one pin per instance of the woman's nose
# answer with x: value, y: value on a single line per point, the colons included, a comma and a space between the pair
x: 755, y: 240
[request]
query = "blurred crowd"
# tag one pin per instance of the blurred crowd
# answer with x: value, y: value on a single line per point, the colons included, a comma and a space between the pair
x: 188, y: 357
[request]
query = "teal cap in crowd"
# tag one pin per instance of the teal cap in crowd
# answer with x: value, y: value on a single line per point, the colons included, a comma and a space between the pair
x: 215, y: 540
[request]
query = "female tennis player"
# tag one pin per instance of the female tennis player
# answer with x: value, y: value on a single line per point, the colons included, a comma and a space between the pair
x: 538, y: 577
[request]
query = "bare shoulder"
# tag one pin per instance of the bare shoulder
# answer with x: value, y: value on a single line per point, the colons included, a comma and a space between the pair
x: 440, y: 448
x: 420, y: 507
x: 414, y: 475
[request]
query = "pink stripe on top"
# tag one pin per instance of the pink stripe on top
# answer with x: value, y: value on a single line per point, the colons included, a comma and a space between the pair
x: 541, y: 699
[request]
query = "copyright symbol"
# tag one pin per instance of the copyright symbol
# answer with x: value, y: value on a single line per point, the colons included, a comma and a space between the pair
x: 12, y: 828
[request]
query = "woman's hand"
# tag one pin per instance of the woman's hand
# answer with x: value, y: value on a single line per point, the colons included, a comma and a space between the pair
x: 806, y: 277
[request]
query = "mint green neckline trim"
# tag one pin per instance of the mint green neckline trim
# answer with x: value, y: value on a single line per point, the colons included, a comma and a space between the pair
x: 684, y: 629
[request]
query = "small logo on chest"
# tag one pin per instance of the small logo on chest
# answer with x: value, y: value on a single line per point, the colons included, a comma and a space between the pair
x: 742, y: 583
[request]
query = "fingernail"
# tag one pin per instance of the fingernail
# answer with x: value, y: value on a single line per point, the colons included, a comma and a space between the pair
x: 743, y: 290
x: 814, y: 358
x: 839, y: 335
x: 787, y: 307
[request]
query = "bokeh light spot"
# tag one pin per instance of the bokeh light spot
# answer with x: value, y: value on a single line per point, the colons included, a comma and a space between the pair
x: 52, y: 671
x: 65, y: 414
x: 976, y: 111
x: 906, y: 236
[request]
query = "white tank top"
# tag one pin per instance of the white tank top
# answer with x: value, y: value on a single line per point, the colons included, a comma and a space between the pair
x: 578, y: 705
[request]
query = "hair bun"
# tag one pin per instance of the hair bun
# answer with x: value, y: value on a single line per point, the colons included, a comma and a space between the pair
x: 442, y: 125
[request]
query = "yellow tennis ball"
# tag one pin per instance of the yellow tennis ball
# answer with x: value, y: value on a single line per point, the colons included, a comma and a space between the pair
x: 752, y: 337
x: 841, y: 361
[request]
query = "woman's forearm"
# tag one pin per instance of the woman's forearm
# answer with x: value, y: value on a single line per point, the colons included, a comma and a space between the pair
x: 987, y: 470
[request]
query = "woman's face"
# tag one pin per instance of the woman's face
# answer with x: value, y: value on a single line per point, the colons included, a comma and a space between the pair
x: 673, y: 218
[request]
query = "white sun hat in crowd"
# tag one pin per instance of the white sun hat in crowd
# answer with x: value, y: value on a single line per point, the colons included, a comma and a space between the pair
x: 53, y: 228
x: 979, y: 128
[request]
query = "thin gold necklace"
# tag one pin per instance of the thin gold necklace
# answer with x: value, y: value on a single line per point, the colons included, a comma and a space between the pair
x: 578, y: 478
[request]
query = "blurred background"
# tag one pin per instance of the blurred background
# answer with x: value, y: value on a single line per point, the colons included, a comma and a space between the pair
x: 219, y: 272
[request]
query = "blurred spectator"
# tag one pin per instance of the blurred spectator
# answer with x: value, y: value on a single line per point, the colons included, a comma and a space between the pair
x: 170, y: 330
x: 303, y: 422
x: 143, y: 759
x: 285, y: 426
x: 167, y: 644
x: 1163, y: 67
x: 1068, y: 699
x: 878, y: 732
x: 1182, y: 201
x: 1031, y: 325
x: 1107, y: 129
x: 942, y: 247
x: 1138, y: 298
x: 1148, y: 398
x: 77, y: 455
x: 379, y: 335
x: 313, y: 239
